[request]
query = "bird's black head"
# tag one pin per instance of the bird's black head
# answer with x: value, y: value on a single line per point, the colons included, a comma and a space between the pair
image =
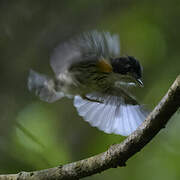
x: 128, y: 66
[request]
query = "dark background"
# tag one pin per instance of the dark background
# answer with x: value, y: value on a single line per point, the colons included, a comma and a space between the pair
x: 29, y: 30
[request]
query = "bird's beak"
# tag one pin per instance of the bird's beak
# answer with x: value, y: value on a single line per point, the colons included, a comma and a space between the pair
x: 140, y: 82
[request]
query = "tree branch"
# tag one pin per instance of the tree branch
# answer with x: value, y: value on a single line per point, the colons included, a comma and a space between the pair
x: 117, y: 154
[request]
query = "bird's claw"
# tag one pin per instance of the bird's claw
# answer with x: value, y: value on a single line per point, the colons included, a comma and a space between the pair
x: 92, y: 100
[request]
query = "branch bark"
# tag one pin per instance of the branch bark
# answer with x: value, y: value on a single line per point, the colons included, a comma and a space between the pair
x: 117, y: 154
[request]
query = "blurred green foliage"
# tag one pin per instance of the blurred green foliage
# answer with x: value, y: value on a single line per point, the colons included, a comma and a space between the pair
x: 29, y: 30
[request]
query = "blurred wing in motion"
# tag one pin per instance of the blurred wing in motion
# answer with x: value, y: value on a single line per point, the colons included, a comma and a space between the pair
x: 43, y: 87
x: 111, y: 116
x: 88, y: 46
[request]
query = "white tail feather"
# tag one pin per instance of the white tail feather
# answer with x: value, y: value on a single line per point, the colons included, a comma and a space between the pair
x: 120, y: 119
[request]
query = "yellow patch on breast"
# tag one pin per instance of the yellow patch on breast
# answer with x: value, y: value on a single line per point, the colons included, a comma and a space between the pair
x: 104, y: 66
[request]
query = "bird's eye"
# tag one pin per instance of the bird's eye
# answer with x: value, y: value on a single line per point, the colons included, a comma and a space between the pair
x: 127, y: 66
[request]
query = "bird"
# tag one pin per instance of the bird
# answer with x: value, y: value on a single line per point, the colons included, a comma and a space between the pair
x: 89, y: 69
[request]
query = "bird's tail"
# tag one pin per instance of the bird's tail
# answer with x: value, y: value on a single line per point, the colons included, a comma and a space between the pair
x: 43, y: 86
x: 112, y: 116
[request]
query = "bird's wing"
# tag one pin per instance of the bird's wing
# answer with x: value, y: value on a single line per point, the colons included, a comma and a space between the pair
x: 43, y: 86
x: 91, y: 45
x: 111, y: 114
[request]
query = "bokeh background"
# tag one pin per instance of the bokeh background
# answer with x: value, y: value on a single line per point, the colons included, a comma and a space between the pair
x: 36, y: 135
